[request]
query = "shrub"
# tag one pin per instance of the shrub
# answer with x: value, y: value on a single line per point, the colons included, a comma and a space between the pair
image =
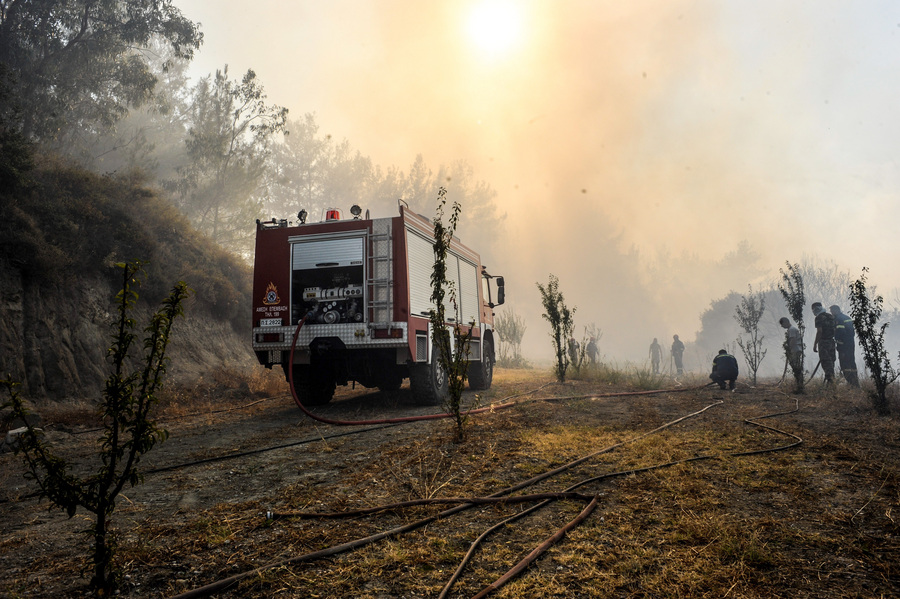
x: 561, y: 324
x: 866, y: 313
x: 129, y: 431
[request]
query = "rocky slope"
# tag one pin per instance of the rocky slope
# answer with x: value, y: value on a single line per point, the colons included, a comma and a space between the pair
x: 58, y: 282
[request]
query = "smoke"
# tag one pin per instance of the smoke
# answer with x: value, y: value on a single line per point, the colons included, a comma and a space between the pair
x: 653, y: 155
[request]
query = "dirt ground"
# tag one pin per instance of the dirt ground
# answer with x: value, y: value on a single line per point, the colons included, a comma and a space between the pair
x: 821, y: 519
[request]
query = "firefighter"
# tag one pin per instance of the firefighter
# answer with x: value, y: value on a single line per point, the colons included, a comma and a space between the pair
x: 592, y: 350
x: 573, y: 351
x: 824, y: 340
x: 844, y: 337
x: 677, y: 353
x: 655, y: 355
x: 794, y: 344
x: 724, y: 369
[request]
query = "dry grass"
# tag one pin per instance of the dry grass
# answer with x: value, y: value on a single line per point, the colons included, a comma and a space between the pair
x: 816, y: 521
x: 220, y: 390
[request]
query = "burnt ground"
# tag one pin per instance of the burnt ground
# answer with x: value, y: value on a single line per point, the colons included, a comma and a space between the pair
x: 818, y: 520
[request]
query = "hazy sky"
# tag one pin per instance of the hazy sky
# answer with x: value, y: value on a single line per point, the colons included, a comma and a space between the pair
x: 679, y: 127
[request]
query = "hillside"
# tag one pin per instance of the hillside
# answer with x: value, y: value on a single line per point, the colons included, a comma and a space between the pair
x: 61, y: 235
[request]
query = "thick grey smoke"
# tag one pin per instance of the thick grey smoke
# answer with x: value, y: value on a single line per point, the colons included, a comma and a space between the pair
x: 653, y: 155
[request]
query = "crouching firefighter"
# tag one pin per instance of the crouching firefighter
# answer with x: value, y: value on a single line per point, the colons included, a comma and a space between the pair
x: 724, y: 369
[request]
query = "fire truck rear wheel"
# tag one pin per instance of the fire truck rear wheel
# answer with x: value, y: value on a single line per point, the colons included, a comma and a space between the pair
x: 428, y: 382
x: 312, y: 388
x: 481, y: 374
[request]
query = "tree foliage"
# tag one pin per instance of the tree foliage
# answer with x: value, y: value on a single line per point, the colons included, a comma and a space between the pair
x: 561, y: 322
x: 16, y: 158
x: 866, y: 313
x: 105, y: 81
x: 79, y: 64
x: 748, y: 315
x: 314, y: 172
x: 128, y: 428
x: 228, y: 148
x: 151, y: 136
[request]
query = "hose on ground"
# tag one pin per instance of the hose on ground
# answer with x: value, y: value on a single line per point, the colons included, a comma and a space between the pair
x: 192, y: 414
x: 531, y: 557
x: 539, y: 550
x: 470, y: 412
x: 241, y: 454
x: 226, y: 583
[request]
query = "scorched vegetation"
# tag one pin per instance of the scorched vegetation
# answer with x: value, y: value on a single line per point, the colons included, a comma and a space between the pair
x: 689, y: 499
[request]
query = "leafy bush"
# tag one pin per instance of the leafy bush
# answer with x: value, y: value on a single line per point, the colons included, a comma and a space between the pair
x: 866, y: 313
x: 561, y: 324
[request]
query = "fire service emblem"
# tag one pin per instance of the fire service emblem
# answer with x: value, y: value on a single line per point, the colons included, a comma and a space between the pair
x: 271, y: 297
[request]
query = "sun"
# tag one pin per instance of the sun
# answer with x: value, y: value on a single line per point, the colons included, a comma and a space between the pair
x: 495, y: 27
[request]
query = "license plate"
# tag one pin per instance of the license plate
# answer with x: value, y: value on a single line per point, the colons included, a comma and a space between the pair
x: 270, y: 322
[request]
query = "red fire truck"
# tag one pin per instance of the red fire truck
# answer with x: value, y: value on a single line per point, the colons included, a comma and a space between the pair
x: 364, y: 286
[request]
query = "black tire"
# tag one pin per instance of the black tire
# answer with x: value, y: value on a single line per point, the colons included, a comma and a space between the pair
x: 428, y: 382
x: 312, y: 388
x: 481, y: 374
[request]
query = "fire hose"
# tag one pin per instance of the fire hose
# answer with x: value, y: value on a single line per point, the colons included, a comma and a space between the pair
x: 365, y: 422
x: 784, y: 374
x: 229, y: 582
x: 491, y: 408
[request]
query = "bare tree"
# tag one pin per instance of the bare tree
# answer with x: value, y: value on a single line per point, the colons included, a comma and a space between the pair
x: 825, y: 281
x: 748, y: 314
x: 510, y: 327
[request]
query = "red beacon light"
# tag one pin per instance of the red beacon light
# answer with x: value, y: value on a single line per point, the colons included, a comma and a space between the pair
x: 332, y: 214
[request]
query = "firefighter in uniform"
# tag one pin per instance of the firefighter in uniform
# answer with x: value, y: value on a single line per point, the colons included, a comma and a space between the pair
x: 794, y: 346
x: 677, y: 353
x: 844, y: 338
x: 824, y: 340
x: 655, y: 355
x: 573, y: 351
x: 592, y: 350
x: 724, y: 368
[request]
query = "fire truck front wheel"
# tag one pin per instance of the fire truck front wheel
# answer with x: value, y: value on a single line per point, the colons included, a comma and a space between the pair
x: 311, y: 386
x: 481, y: 374
x: 428, y: 382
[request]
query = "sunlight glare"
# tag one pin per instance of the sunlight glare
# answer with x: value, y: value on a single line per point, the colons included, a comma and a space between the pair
x: 495, y: 26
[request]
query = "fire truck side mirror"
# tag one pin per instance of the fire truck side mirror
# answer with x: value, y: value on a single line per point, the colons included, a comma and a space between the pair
x: 501, y: 292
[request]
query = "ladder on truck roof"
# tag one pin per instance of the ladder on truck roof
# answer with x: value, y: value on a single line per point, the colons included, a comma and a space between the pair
x: 381, y: 283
